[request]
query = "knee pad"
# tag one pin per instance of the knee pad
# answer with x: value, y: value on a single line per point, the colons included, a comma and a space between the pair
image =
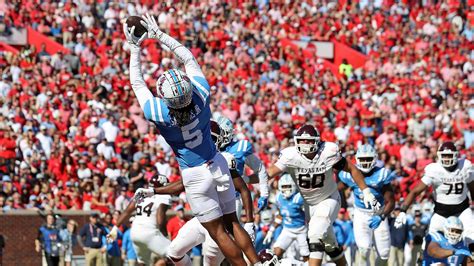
x: 334, y: 252
x: 316, y: 249
x: 175, y: 253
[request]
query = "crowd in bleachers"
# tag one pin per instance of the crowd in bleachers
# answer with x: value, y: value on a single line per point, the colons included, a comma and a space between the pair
x: 73, y: 137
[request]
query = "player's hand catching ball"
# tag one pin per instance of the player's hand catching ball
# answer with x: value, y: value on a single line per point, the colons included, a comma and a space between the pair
x: 130, y: 36
x: 151, y: 26
x: 370, y: 201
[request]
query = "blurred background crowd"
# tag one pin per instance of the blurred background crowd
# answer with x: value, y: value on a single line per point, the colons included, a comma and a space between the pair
x: 73, y: 137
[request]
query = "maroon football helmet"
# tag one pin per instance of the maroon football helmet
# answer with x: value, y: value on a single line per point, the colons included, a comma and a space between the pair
x: 267, y: 257
x: 216, y: 133
x: 448, y: 154
x: 158, y: 180
x: 312, y: 137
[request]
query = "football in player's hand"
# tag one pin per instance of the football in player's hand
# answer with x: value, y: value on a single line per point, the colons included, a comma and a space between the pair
x: 139, y: 28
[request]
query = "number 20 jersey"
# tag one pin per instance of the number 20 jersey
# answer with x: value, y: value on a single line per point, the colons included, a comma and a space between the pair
x: 449, y: 188
x: 314, y: 178
x: 145, y: 210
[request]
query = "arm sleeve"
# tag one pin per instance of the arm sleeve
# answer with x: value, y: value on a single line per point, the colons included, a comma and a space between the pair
x: 193, y: 69
x: 139, y: 86
x: 257, y: 166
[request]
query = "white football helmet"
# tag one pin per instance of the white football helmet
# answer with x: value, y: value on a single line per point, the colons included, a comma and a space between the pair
x: 266, y: 217
x: 286, y: 186
x: 227, y: 130
x: 453, y: 229
x: 175, y: 88
x: 366, y: 158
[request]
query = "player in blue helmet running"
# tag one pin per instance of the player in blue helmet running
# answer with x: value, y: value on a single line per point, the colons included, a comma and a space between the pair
x: 291, y: 206
x: 182, y: 114
x: 243, y: 154
x: 447, y: 247
x: 369, y: 225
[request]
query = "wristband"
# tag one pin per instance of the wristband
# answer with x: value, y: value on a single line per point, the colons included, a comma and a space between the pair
x: 383, y: 216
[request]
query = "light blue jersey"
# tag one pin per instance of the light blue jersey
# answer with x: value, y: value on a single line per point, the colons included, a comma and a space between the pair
x: 375, y: 180
x: 292, y: 210
x: 192, y: 144
x: 240, y: 149
x: 438, y: 237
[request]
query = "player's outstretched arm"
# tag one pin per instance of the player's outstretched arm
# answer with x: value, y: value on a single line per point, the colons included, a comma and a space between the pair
x: 435, y: 251
x: 257, y: 167
x: 174, y: 188
x: 244, y: 191
x: 412, y: 195
x: 369, y: 199
x: 181, y: 52
x: 161, y: 218
x: 124, y: 216
x: 389, y: 200
x: 139, y: 86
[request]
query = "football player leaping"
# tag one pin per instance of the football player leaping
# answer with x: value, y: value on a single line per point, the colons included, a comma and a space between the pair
x: 243, y: 154
x: 451, y: 179
x: 182, y: 114
x: 291, y: 207
x: 149, y: 223
x: 193, y: 233
x: 370, y: 225
x: 311, y: 163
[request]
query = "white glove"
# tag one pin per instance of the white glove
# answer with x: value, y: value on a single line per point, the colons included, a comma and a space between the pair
x: 400, y: 220
x: 370, y: 201
x: 151, y: 26
x: 143, y: 193
x: 250, y: 228
x: 112, y: 235
x: 268, y: 238
x: 130, y: 36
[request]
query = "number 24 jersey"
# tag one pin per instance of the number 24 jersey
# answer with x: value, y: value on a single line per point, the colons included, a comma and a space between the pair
x: 449, y: 187
x: 314, y: 178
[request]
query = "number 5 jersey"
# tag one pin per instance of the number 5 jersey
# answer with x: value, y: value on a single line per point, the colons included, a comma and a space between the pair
x: 450, y: 189
x: 314, y: 178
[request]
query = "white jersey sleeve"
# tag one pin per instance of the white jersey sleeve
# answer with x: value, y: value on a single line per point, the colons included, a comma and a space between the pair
x: 284, y: 159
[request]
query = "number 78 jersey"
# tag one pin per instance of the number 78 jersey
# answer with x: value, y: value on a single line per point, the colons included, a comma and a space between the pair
x: 449, y: 187
x: 314, y: 178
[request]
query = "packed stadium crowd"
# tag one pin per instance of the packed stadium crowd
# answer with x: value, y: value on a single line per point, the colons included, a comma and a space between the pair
x: 73, y: 136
